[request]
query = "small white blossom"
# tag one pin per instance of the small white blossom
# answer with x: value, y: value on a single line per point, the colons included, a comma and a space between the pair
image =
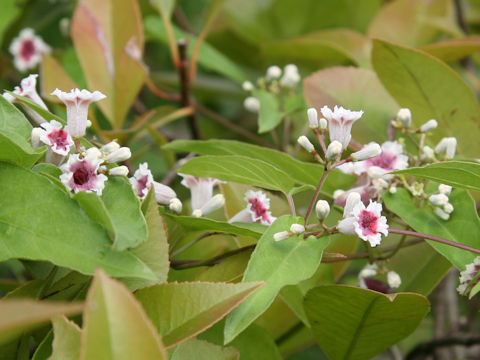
x: 392, y: 190
x: 142, y: 180
x: 257, y: 208
x: 312, y: 118
x: 118, y: 155
x: 201, y: 189
x: 27, y: 50
x: 334, y: 150
x: 252, y: 104
x: 441, y: 214
x: 273, y: 72
x: 448, y: 208
x: 427, y: 153
x: 393, y: 279
x: 297, y: 229
x: 305, y: 143
x: 429, y: 125
x: 467, y: 277
x: 447, y: 145
x: 290, y: 77
x: 340, y: 123
x: 323, y: 123
x: 282, y: 235
x: 353, y: 199
x: 56, y: 138
x: 370, y: 150
x: 405, y: 117
x: 247, y: 86
x: 337, y: 193
x: 175, y: 205
x: 322, y: 209
x: 110, y: 147
x: 438, y: 199
x: 118, y: 171
x: 445, y: 189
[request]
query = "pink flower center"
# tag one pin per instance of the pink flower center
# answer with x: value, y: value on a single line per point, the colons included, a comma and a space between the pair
x: 386, y: 160
x: 27, y: 50
x: 259, y: 210
x: 84, y: 176
x: 59, y: 137
x: 81, y: 176
x: 142, y: 185
x: 368, y: 222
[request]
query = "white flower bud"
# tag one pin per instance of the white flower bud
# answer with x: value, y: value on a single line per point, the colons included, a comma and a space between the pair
x: 447, y: 145
x: 366, y: 273
x: 290, y: 68
x: 334, y: 150
x: 429, y: 125
x: 119, y: 155
x: 297, y: 229
x: 247, y: 86
x: 352, y: 199
x: 427, y: 153
x: 273, y: 72
x: 197, y: 213
x: 252, y: 104
x: 441, y: 214
x: 445, y: 189
x: 93, y: 154
x: 175, y: 205
x: 393, y: 279
x: 337, y: 193
x: 35, y: 139
x: 312, y: 118
x: 290, y: 79
x: 448, y: 208
x: 323, y: 123
x: 118, y: 171
x: 438, y: 199
x: 306, y: 144
x: 392, y: 190
x: 322, y: 209
x: 375, y: 172
x: 379, y: 184
x: 367, y: 152
x: 405, y: 117
x: 282, y: 235
x: 110, y: 147
x: 89, y: 123
x: 213, y: 204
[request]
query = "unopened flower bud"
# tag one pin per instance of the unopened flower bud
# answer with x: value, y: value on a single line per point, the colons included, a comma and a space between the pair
x: 427, y: 153
x: 448, y: 208
x: 197, y: 213
x: 306, y: 144
x: 447, y: 145
x: 445, y: 189
x: 297, y: 229
x: 375, y: 172
x: 393, y: 279
x: 93, y: 154
x: 89, y: 123
x: 367, y: 152
x: 213, y: 204
x: 323, y: 123
x: 441, y: 214
x: 312, y: 118
x: 429, y: 125
x: 273, y: 72
x: 282, y: 235
x: 334, y: 150
x: 35, y: 139
x: 118, y: 171
x: 338, y: 193
x: 119, y: 155
x: 252, y: 104
x: 352, y: 199
x: 405, y: 117
x: 438, y: 199
x: 247, y: 86
x: 322, y: 209
x: 392, y: 189
x: 175, y: 205
x: 110, y: 147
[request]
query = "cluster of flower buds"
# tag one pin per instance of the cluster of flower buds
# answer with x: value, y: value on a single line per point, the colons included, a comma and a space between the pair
x: 368, y: 279
x: 295, y: 229
x: 257, y: 210
x: 440, y: 201
x: 403, y: 121
x: 203, y: 201
x: 469, y: 277
x: 27, y: 50
x: 274, y: 81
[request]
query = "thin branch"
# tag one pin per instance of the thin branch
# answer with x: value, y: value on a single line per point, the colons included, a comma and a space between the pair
x: 193, y: 242
x: 315, y: 195
x: 291, y: 204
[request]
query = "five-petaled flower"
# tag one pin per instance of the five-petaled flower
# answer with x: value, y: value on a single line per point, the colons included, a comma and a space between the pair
x: 257, y: 208
x: 56, y: 137
x: 142, y: 181
x: 27, y: 49
x: 340, y: 122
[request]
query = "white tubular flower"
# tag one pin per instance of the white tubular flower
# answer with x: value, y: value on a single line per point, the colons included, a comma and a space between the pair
x: 77, y: 102
x: 467, y: 277
x: 247, y: 86
x: 215, y: 203
x: 340, y: 123
x: 429, y: 126
x: 441, y: 214
x: 163, y: 193
x: 405, y: 117
x: 448, y: 208
x: 35, y: 138
x: 447, y: 145
x: 273, y: 72
x: 110, y: 147
x: 282, y: 235
x: 323, y: 123
x: 312, y: 118
x: 56, y: 138
x: 322, y: 209
x: 119, y: 155
x: 375, y: 172
x: 337, y: 193
x: 201, y: 189
x: 352, y: 200
x: 175, y: 205
x: 306, y: 144
x: 290, y: 77
x: 27, y: 50
x: 427, y: 153
x: 257, y: 208
x: 394, y: 280
x: 118, y: 171
x: 438, y: 199
x: 80, y: 174
x: 334, y: 150
x: 252, y: 104
x: 297, y: 229
x: 142, y: 180
x: 444, y: 189
x: 367, y: 152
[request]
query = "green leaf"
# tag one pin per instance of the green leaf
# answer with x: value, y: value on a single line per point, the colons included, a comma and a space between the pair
x: 356, y: 89
x: 463, y: 226
x: 353, y: 323
x: 460, y: 174
x: 212, y: 302
x: 412, y: 77
x: 19, y: 316
x: 279, y: 264
x: 240, y: 169
x: 269, y: 115
x: 10, y: 10
x: 66, y: 341
x: 54, y: 228
x: 164, y: 6
x: 115, y: 325
x: 101, y: 35
x: 123, y: 206
x: 453, y: 49
x: 305, y: 173
x: 54, y: 76
x: 47, y: 115
x: 202, y: 350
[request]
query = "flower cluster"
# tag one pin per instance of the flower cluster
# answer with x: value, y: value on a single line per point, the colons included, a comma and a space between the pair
x: 469, y: 277
x: 27, y: 50
x: 440, y: 202
x: 368, y: 278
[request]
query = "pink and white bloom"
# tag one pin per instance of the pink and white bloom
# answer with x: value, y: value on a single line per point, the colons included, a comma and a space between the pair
x: 81, y: 174
x: 340, y: 122
x: 201, y: 189
x: 77, y: 102
x: 257, y: 208
x: 142, y: 181
x: 467, y: 277
x: 366, y: 222
x: 27, y: 50
x: 56, y: 137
